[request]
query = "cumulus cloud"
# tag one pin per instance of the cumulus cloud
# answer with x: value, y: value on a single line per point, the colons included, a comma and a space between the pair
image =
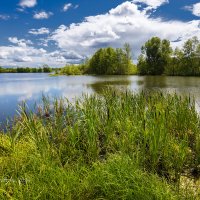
x: 67, y: 56
x: 4, y: 17
x: 28, y: 56
x: 23, y: 53
x: 125, y: 23
x: 67, y: 7
x: 19, y: 54
x: 195, y: 9
x: 40, y: 31
x: 42, y: 15
x: 28, y: 3
x: 21, y: 43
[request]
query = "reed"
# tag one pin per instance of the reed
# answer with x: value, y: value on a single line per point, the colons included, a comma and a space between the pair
x: 113, y: 146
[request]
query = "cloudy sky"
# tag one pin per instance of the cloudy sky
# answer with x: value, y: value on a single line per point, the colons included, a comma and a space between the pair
x: 37, y: 32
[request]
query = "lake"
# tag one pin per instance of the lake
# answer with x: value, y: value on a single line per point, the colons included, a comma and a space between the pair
x: 15, y: 88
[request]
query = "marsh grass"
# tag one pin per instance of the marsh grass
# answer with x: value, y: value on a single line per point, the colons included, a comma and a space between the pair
x: 114, y: 146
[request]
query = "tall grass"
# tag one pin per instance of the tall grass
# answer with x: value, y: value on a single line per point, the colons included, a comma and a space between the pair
x: 114, y: 146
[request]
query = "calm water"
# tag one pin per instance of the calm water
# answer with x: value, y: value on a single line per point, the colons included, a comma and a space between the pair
x: 15, y: 88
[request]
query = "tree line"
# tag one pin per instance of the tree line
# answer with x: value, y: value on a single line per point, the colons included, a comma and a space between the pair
x: 157, y: 58
x: 44, y: 69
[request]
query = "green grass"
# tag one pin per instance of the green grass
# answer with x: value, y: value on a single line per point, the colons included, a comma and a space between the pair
x: 114, y: 146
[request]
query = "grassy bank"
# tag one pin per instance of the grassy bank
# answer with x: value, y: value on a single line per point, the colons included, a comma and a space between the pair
x: 117, y: 146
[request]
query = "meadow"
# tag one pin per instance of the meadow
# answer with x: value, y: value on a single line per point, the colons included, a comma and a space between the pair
x: 118, y: 145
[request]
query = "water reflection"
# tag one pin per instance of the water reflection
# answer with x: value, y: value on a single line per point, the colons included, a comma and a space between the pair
x: 154, y: 82
x: 100, y: 86
x: 15, y: 88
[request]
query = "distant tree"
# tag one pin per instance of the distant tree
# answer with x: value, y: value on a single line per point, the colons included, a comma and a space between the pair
x: 34, y: 70
x: 71, y: 70
x: 46, y: 69
x: 39, y: 70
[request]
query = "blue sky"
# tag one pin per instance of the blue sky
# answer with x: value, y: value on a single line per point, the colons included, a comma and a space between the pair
x: 37, y: 32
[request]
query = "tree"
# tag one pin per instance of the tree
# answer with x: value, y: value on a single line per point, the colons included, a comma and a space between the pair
x: 175, y: 66
x: 142, y: 65
x: 190, y: 49
x: 127, y: 57
x: 111, y: 61
x: 155, y: 56
x: 46, y: 69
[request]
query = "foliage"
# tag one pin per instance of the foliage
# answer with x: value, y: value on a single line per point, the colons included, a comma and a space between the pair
x: 112, y: 61
x: 73, y: 70
x: 157, y: 58
x: 186, y: 61
x: 114, y: 146
x: 106, y: 61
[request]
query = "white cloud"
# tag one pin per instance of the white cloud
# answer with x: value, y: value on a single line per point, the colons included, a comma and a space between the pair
x: 23, y: 53
x: 125, y: 23
x: 28, y: 3
x: 67, y: 7
x: 19, y: 54
x: 76, y: 6
x: 42, y: 15
x: 40, y: 31
x: 195, y: 9
x: 28, y: 56
x: 152, y: 3
x: 4, y: 17
x: 21, y: 43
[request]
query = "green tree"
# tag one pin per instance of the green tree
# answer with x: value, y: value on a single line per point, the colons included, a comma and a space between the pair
x: 175, y: 66
x: 111, y: 61
x: 190, y: 49
x: 155, y: 56
x: 46, y: 69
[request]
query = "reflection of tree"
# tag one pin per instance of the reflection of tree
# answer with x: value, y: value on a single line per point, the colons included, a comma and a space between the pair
x: 100, y: 86
x: 151, y: 82
x: 140, y: 82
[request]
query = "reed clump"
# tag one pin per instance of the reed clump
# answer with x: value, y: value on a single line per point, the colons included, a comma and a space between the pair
x: 113, y: 146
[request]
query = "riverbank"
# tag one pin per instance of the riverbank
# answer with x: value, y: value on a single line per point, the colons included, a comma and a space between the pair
x: 114, y: 146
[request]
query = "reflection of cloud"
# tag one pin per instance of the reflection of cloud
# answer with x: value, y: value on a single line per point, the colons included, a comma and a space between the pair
x: 19, y: 87
x: 27, y: 87
x: 102, y: 85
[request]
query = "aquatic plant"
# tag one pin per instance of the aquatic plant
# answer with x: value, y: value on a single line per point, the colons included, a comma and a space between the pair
x: 113, y: 146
